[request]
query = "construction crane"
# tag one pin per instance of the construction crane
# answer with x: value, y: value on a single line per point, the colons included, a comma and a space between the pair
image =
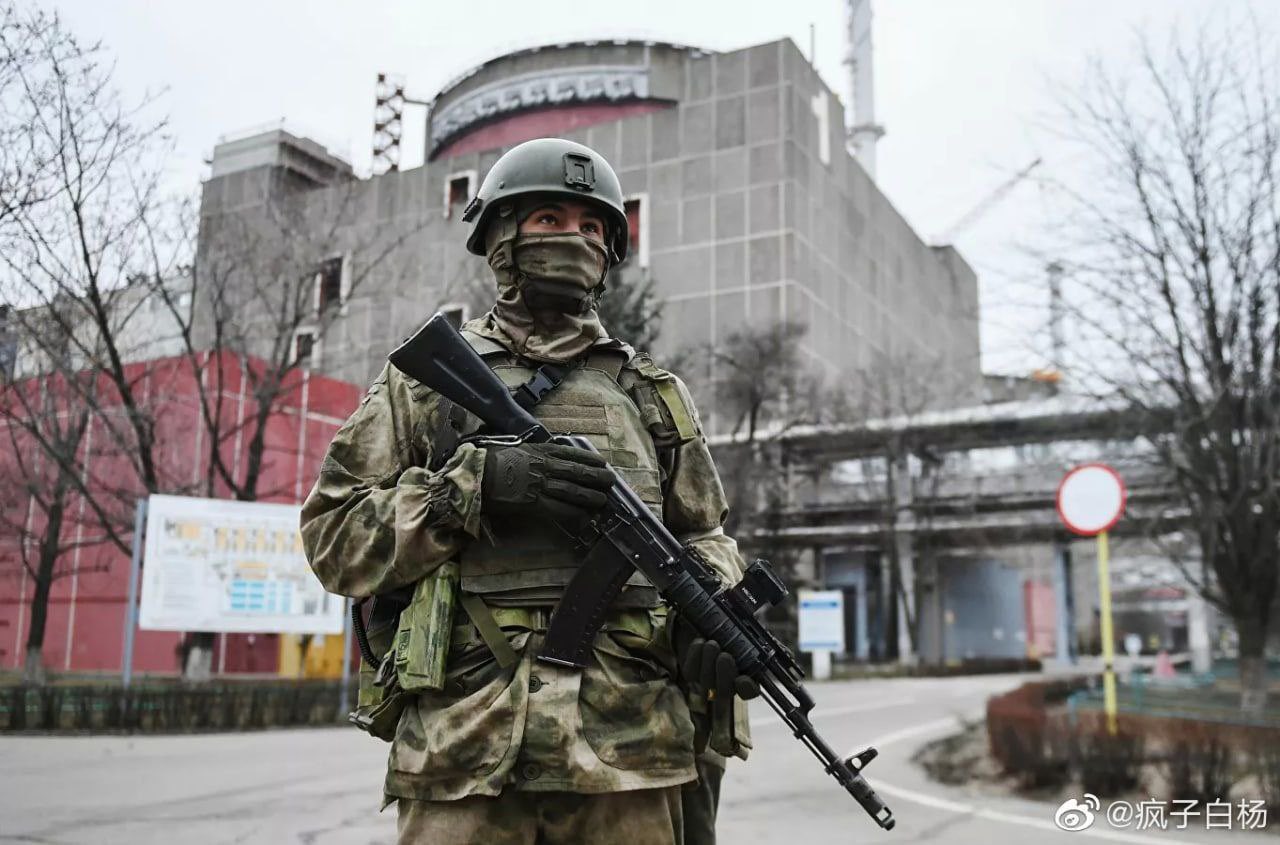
x: 990, y: 201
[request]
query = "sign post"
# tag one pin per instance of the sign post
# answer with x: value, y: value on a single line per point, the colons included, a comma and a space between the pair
x: 131, y: 609
x: 821, y: 628
x: 1091, y: 501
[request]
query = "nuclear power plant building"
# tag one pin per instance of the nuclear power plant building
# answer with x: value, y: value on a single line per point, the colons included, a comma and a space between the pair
x: 746, y: 209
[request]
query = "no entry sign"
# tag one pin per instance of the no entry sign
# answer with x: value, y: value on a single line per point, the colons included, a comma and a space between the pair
x: 1091, y: 499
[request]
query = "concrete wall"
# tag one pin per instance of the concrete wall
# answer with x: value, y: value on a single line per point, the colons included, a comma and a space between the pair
x: 143, y: 328
x: 982, y: 612
x: 747, y: 224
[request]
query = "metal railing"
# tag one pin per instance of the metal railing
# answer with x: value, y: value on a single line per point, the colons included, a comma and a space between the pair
x: 1192, y: 697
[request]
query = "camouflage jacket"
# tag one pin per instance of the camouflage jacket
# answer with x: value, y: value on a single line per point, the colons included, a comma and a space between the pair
x: 378, y: 519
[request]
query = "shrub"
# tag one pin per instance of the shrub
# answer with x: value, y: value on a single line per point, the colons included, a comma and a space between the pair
x: 1108, y: 764
x: 1265, y: 763
x: 1198, y: 761
x: 159, y: 707
x: 1021, y: 737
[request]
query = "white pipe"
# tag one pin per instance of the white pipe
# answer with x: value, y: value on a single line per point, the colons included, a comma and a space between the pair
x: 860, y: 117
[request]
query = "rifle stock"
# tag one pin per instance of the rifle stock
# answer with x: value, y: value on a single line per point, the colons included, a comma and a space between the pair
x: 439, y: 357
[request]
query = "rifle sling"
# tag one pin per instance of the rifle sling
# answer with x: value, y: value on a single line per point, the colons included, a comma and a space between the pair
x: 544, y: 380
x: 488, y: 628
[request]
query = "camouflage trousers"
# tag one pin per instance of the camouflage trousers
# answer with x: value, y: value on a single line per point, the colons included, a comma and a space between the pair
x: 699, y: 802
x: 637, y: 817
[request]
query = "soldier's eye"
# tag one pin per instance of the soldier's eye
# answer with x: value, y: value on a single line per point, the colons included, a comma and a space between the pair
x: 546, y: 219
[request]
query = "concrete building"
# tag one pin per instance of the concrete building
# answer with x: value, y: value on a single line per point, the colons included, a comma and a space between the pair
x: 56, y: 335
x: 745, y: 204
x: 8, y: 344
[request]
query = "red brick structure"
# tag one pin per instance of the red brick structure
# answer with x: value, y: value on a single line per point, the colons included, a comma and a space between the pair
x: 86, y: 608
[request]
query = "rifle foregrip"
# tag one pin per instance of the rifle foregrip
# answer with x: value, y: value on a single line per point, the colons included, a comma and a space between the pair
x: 711, y: 620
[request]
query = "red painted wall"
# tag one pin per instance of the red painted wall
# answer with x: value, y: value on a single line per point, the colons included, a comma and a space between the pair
x: 86, y: 611
x: 1041, y: 607
x: 556, y: 120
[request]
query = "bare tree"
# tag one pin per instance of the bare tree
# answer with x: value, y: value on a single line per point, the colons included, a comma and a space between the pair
x: 68, y: 257
x: 630, y: 308
x: 38, y: 513
x: 27, y: 38
x: 72, y: 177
x: 763, y: 381
x: 105, y: 263
x: 267, y: 289
x: 1172, y: 252
x: 761, y: 372
x: 901, y: 480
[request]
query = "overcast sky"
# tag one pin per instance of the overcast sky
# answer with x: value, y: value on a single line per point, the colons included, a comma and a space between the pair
x: 961, y: 87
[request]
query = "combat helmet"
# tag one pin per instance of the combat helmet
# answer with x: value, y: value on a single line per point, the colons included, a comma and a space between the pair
x: 549, y: 166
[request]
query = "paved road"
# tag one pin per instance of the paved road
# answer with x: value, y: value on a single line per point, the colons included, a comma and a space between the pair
x: 320, y: 787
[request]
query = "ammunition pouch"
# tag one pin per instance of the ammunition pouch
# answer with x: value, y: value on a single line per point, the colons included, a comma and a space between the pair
x: 409, y: 644
x: 422, y: 635
x: 379, y: 701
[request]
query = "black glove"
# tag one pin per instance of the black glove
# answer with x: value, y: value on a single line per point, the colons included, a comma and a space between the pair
x: 712, y: 674
x: 565, y: 483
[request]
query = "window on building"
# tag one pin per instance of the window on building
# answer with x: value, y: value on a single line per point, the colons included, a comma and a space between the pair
x: 329, y: 290
x: 8, y: 346
x: 632, y: 208
x: 457, y: 191
x: 822, y: 111
x: 304, y: 344
x: 8, y: 359
x: 637, y: 211
x: 455, y: 314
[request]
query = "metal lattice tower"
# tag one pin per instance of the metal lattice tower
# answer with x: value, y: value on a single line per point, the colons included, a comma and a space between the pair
x: 388, y: 123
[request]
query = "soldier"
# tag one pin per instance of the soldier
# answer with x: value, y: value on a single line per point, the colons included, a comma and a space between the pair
x: 511, y: 749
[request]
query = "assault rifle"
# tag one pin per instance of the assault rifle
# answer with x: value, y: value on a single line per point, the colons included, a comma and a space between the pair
x: 625, y: 537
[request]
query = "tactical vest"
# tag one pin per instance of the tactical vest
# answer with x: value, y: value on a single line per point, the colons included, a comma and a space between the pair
x: 630, y: 411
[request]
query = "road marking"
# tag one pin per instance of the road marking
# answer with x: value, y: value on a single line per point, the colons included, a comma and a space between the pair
x: 773, y: 720
x: 908, y: 733
x: 979, y: 812
x: 1013, y: 818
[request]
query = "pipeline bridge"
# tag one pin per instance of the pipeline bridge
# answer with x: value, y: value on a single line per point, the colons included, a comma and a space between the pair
x: 933, y: 488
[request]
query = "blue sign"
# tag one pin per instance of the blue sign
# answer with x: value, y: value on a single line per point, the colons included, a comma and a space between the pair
x: 821, y: 620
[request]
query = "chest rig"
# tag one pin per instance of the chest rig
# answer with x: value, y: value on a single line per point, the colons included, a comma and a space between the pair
x: 634, y: 416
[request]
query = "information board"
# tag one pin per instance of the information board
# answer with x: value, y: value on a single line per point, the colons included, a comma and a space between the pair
x: 821, y: 620
x: 234, y: 567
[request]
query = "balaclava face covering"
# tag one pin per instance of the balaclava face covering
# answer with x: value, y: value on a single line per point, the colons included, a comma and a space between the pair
x: 548, y: 285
